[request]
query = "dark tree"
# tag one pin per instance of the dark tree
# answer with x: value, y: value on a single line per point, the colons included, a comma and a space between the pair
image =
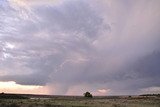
x: 88, y: 95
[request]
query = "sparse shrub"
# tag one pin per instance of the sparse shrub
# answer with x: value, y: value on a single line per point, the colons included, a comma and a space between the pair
x: 36, y: 104
x: 14, y: 105
x: 3, y: 105
x: 116, y: 105
x: 48, y: 105
x: 30, y: 105
x: 129, y: 96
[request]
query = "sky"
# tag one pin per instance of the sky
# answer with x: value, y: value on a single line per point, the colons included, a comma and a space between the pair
x: 68, y: 47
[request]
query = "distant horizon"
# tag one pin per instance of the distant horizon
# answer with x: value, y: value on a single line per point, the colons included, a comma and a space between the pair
x: 76, y: 95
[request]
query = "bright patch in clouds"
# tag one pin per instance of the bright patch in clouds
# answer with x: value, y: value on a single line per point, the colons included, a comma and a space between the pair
x: 12, y: 87
x: 104, y: 91
x: 10, y: 46
x: 26, y: 3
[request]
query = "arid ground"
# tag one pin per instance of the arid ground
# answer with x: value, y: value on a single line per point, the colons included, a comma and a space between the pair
x: 79, y: 101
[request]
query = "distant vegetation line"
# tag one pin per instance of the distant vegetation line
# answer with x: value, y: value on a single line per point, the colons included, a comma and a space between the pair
x: 28, y: 96
x: 158, y: 95
x: 12, y: 96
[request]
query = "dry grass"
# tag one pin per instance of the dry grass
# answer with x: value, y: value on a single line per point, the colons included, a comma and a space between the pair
x: 83, y: 102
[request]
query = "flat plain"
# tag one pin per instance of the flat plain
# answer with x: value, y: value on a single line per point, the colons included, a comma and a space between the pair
x: 79, y: 101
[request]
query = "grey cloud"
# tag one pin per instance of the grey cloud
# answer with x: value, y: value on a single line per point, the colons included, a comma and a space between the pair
x: 33, y: 79
x: 43, y: 55
x: 81, y: 42
x: 73, y: 16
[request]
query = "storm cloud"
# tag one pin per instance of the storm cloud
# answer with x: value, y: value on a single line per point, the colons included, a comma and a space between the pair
x: 80, y: 45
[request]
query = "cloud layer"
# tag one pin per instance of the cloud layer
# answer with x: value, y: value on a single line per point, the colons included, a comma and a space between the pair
x: 73, y: 46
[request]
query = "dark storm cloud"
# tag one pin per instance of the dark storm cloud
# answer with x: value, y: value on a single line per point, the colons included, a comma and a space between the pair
x: 67, y: 30
x: 103, y: 44
x: 33, y: 79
